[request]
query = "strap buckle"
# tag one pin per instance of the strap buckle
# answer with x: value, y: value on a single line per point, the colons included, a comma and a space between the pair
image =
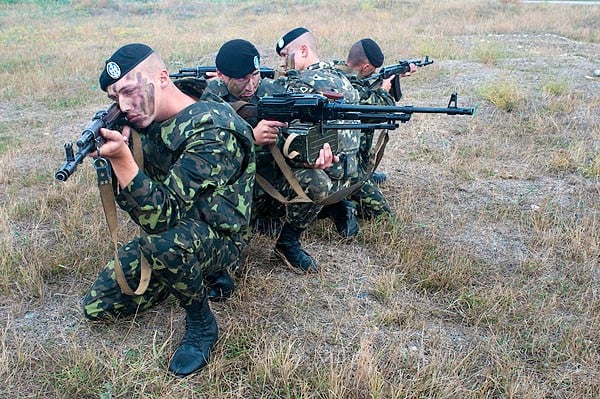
x: 103, y: 170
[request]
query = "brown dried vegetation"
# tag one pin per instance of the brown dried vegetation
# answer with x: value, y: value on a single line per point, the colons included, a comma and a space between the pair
x: 487, y: 286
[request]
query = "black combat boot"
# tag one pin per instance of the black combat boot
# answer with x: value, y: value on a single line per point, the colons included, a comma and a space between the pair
x: 378, y: 178
x: 288, y: 249
x: 343, y: 214
x: 201, y: 333
x: 219, y: 285
x: 325, y: 212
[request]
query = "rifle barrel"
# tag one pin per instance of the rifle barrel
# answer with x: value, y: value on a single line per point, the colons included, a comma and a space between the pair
x: 408, y: 109
x: 90, y: 139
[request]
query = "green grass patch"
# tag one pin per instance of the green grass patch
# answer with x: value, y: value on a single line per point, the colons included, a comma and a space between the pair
x: 490, y: 53
x: 503, y: 94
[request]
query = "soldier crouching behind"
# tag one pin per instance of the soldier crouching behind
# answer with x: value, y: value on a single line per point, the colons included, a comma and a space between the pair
x: 239, y: 83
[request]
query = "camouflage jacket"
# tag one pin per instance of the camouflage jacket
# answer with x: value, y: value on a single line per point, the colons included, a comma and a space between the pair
x: 198, y: 164
x: 368, y: 96
x: 265, y: 164
x: 322, y: 78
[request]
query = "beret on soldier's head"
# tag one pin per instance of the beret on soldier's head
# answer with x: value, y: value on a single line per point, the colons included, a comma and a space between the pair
x: 373, y: 52
x: 289, y: 37
x: 122, y: 61
x: 237, y: 58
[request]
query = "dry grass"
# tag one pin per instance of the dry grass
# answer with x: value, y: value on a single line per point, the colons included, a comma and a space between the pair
x: 486, y: 286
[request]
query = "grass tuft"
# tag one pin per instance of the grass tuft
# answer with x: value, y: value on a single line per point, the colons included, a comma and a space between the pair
x: 503, y: 94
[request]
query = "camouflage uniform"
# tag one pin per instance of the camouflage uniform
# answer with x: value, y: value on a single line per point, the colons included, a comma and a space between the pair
x: 369, y: 199
x: 316, y: 183
x: 265, y: 164
x: 322, y: 78
x: 193, y: 202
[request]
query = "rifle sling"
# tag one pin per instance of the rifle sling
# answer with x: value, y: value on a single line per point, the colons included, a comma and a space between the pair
x: 286, y: 146
x: 301, y: 196
x: 373, y: 163
x: 107, y: 196
x: 283, y: 166
x: 338, y: 196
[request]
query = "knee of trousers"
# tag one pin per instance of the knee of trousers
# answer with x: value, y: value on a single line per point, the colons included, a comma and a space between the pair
x: 315, y: 183
x: 188, y: 252
x: 179, y: 244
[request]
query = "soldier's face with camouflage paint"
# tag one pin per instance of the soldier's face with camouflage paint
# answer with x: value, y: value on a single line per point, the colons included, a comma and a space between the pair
x: 287, y: 58
x: 136, y: 95
x: 243, y: 88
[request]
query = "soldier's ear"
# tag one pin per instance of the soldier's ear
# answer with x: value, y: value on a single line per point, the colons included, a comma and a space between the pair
x: 365, y: 69
x: 163, y: 78
x: 304, y: 50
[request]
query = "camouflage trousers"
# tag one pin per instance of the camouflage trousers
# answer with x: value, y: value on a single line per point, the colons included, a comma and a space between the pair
x: 316, y: 184
x: 179, y: 257
x: 370, y: 201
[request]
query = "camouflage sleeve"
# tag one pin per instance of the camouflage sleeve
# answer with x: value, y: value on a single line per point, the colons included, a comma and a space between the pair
x: 208, y: 161
x: 371, y: 96
x: 218, y: 87
x: 376, y: 97
x: 268, y: 87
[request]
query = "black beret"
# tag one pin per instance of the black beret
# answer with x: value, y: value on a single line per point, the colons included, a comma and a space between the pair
x: 237, y: 58
x: 122, y: 61
x: 288, y: 38
x: 373, y: 52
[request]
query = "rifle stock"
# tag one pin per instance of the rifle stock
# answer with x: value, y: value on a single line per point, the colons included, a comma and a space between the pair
x: 90, y: 139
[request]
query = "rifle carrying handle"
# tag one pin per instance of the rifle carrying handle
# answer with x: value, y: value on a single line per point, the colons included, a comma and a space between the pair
x: 286, y: 147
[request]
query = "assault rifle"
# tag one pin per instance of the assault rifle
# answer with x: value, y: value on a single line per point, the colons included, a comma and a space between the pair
x: 201, y: 72
x: 394, y: 70
x: 316, y: 119
x: 90, y: 140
